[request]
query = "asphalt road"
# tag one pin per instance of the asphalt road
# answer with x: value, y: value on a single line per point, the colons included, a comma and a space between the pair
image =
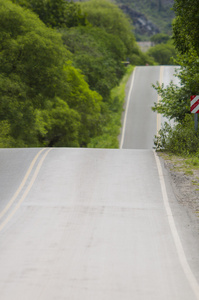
x: 141, y: 123
x: 91, y: 224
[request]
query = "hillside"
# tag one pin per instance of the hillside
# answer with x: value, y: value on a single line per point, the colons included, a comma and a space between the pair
x: 148, y: 16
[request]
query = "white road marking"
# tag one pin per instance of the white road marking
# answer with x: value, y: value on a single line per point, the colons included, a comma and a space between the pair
x: 126, y: 110
x: 21, y: 186
x: 182, y: 257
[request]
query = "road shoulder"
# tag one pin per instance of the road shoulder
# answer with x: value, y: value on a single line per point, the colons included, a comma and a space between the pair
x: 184, y: 202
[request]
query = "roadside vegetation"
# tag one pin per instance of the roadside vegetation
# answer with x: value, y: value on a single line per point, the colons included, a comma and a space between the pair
x: 163, y: 50
x: 110, y: 132
x: 187, y: 165
x: 180, y: 142
x: 60, y: 65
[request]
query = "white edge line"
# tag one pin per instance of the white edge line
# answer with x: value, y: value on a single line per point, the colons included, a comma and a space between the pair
x: 126, y: 110
x: 180, y: 251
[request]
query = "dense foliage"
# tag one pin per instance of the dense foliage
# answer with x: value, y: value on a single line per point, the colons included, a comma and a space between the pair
x: 162, y: 53
x: 57, y: 70
x: 44, y: 99
x: 104, y: 14
x: 160, y: 38
x: 98, y: 54
x: 163, y: 50
x: 107, y: 16
x: 185, y: 27
x: 55, y: 13
x: 175, y: 103
x: 180, y: 139
x: 111, y: 130
x: 157, y: 11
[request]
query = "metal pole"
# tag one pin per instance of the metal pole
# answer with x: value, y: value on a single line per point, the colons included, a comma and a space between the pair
x: 196, y: 121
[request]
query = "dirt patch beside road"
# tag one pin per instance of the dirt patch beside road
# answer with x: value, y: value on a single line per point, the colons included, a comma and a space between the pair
x: 185, y: 183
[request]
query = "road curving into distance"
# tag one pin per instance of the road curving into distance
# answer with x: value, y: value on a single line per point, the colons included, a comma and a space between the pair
x: 95, y: 224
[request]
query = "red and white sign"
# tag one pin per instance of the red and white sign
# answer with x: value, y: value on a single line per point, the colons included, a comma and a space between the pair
x: 195, y: 104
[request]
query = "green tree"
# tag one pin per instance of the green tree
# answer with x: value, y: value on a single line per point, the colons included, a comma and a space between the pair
x: 162, y: 53
x: 175, y: 102
x: 6, y: 141
x: 56, y: 13
x: 106, y: 15
x: 160, y: 38
x: 58, y: 125
x: 185, y: 26
x: 180, y: 138
x: 36, y: 79
x: 99, y: 55
x: 175, y: 99
x: 86, y: 102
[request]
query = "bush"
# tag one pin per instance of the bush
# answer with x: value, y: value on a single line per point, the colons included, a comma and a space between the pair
x: 162, y: 53
x: 160, y: 38
x: 180, y: 139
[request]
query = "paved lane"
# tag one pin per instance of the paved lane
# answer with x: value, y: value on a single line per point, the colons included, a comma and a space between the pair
x: 93, y: 226
x: 141, y: 122
x: 13, y: 167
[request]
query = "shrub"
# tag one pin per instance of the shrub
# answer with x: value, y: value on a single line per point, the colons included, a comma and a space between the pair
x: 181, y: 139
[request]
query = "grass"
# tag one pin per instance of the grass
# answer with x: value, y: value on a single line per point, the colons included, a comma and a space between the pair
x: 109, y: 136
x: 188, y: 165
x: 119, y: 91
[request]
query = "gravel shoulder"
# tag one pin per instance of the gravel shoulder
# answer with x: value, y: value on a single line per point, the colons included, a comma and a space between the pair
x: 182, y: 182
x: 185, y: 184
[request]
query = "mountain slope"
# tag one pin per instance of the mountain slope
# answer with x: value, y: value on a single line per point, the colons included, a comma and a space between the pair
x: 149, y: 16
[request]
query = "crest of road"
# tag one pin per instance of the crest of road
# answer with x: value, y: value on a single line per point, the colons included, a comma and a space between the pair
x: 97, y: 224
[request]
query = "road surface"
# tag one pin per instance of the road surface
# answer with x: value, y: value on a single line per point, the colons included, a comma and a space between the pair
x: 141, y: 123
x: 91, y: 224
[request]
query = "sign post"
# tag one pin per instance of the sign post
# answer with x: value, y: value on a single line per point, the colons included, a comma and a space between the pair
x: 196, y: 122
x: 195, y: 109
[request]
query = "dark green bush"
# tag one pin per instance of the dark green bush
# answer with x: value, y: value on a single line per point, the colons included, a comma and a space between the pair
x: 181, y: 139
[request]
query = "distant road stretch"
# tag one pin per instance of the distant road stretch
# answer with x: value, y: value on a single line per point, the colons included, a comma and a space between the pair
x: 141, y: 123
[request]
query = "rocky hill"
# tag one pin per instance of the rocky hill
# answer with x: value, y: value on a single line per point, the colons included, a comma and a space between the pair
x: 142, y: 25
x: 148, y: 16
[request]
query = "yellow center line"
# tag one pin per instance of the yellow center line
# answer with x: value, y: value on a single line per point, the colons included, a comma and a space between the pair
x: 159, y: 98
x: 21, y: 186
